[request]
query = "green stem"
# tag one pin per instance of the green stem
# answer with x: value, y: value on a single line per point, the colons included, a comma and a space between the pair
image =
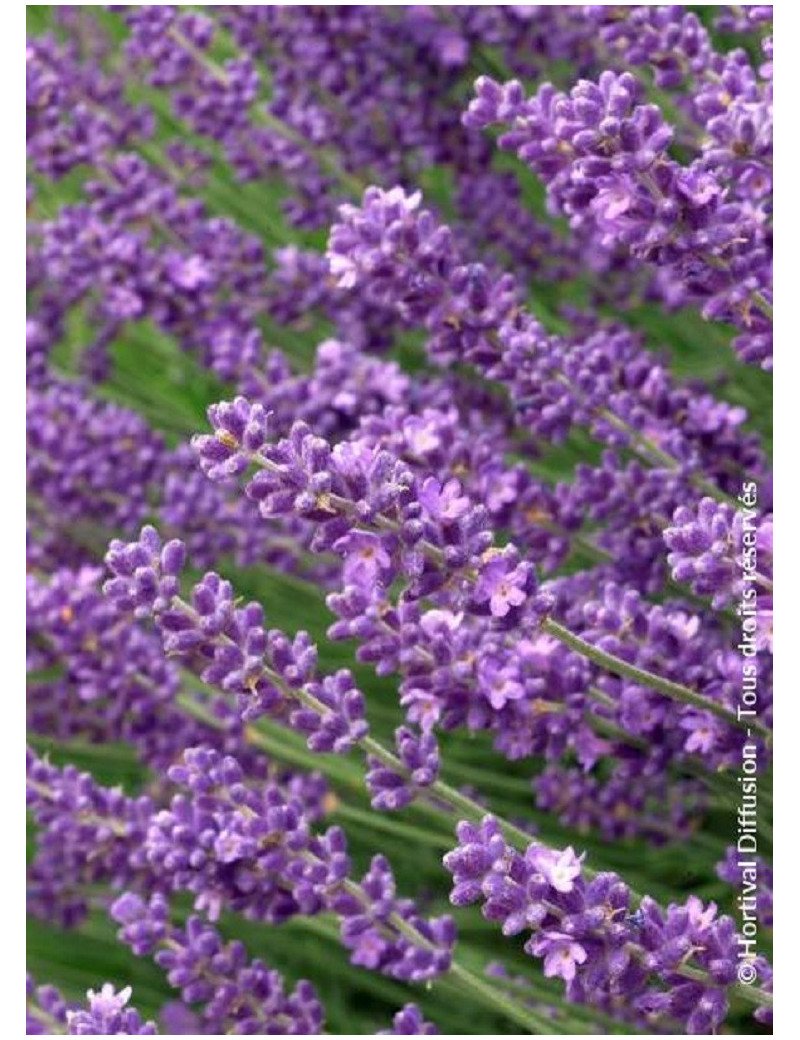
x: 376, y: 821
x: 535, y: 1024
x: 763, y: 305
x: 673, y: 690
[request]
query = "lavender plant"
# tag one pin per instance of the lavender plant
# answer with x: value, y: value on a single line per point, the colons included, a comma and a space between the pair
x: 400, y: 528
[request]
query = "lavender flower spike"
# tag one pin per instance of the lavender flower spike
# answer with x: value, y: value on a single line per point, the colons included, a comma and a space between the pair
x: 268, y: 672
x: 586, y: 933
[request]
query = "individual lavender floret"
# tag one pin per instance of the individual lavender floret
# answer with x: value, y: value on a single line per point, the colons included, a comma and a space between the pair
x: 703, y: 550
x: 235, y: 994
x: 146, y: 575
x: 409, y: 1022
x: 587, y: 935
x: 108, y: 1015
x: 240, y: 428
x: 269, y: 673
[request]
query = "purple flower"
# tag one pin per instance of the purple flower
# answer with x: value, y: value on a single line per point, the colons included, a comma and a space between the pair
x: 366, y: 560
x: 559, y: 868
x: 602, y: 154
x: 443, y: 502
x: 562, y: 955
x: 503, y: 585
x: 500, y: 683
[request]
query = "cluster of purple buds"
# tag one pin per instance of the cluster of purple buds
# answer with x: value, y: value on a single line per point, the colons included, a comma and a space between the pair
x: 97, y: 677
x: 238, y: 845
x: 419, y: 753
x: 88, y: 460
x: 299, y: 286
x: 726, y: 553
x: 370, y: 508
x: 237, y: 995
x: 74, y: 814
x: 155, y: 254
x: 103, y: 680
x: 269, y: 673
x: 76, y: 114
x: 252, y: 849
x: 724, y: 104
x: 631, y: 501
x: 603, y: 155
x: 631, y: 802
x: 391, y: 252
x: 217, y: 101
